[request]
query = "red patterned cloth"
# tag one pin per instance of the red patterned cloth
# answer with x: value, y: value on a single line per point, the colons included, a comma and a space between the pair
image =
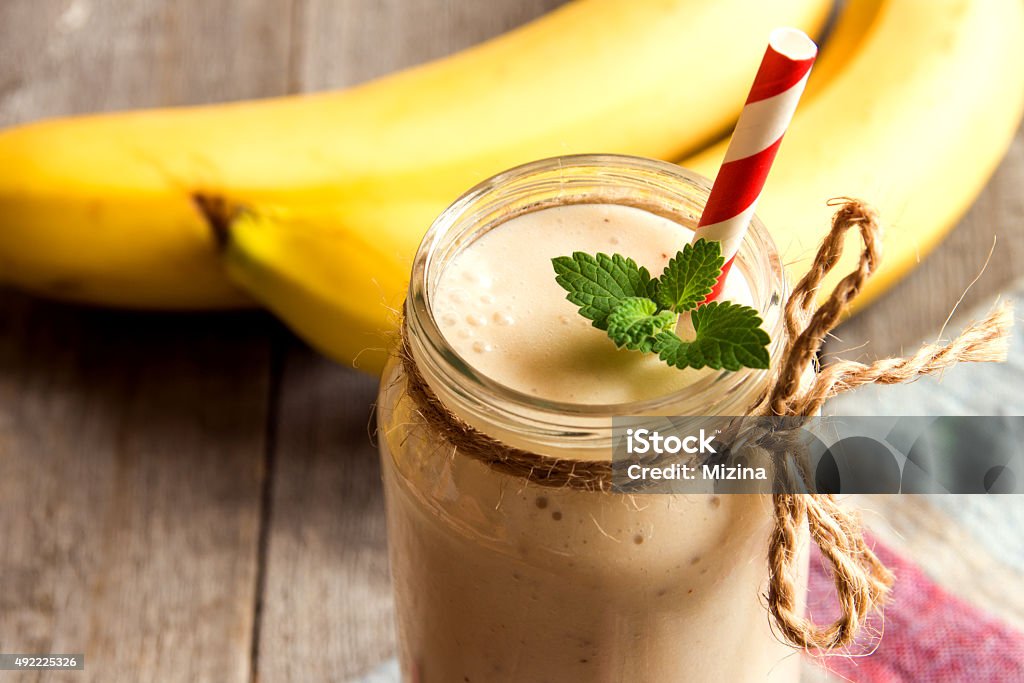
x: 931, y: 635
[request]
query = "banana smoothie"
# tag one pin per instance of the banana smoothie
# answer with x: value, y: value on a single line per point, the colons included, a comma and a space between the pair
x: 498, y: 578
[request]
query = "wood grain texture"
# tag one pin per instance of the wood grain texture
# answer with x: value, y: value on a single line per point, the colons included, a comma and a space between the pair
x: 326, y: 606
x: 131, y: 464
x: 60, y: 57
x: 344, y: 43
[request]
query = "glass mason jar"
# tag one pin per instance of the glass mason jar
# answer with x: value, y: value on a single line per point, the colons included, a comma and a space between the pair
x: 500, y: 578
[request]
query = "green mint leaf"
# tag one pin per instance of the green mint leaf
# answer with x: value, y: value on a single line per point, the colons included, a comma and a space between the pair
x: 635, y: 323
x: 597, y: 284
x: 727, y: 336
x: 690, y: 275
x: 671, y: 349
x: 640, y: 313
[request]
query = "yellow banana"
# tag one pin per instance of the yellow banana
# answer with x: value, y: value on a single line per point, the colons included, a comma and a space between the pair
x: 842, y: 42
x: 306, y: 265
x: 914, y: 120
x: 101, y: 209
x: 340, y: 288
x: 915, y: 124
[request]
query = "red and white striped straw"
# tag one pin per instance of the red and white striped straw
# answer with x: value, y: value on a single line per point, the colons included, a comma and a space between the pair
x: 766, y: 114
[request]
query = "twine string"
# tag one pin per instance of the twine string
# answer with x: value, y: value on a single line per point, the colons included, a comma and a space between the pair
x: 862, y: 582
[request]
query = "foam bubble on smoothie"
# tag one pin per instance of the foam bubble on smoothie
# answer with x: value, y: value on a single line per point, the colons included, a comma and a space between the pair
x: 499, y: 307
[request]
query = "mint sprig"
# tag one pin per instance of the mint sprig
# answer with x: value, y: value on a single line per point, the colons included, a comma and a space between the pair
x: 640, y: 313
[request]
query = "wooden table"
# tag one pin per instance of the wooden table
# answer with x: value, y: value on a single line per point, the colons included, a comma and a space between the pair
x: 195, y: 497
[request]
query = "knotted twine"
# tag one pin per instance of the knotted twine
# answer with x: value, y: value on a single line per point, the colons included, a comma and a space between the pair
x: 861, y: 581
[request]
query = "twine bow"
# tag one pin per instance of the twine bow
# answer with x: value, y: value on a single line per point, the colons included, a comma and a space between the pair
x: 862, y: 582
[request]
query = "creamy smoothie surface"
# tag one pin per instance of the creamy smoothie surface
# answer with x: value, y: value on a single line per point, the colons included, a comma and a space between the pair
x: 499, y: 306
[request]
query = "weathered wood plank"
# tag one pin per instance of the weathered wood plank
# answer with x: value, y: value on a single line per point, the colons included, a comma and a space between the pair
x: 131, y: 465
x: 326, y: 610
x: 343, y: 43
x: 132, y: 447
x: 68, y: 56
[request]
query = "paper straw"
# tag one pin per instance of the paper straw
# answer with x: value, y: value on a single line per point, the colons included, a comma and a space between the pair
x: 766, y: 114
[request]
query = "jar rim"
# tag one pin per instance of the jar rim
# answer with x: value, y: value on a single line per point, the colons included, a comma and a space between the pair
x: 434, y: 354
